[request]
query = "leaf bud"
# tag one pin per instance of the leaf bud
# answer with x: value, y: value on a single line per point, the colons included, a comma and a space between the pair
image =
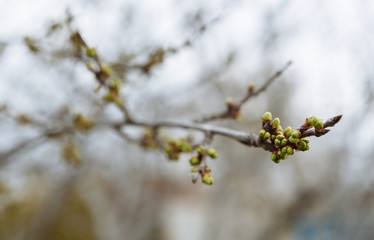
x: 275, y: 123
x: 267, y: 116
x: 195, y: 170
x: 302, y: 145
x: 267, y: 135
x: 295, y: 134
x: 261, y: 133
x: 280, y: 137
x: 288, y: 129
x: 194, y: 161
x: 318, y: 124
x: 91, y: 52
x: 284, y: 150
x: 290, y: 151
x: 251, y: 87
x: 106, y: 69
x: 200, y: 150
x: 312, y: 120
x: 293, y: 140
x: 207, y: 179
x: 212, y: 153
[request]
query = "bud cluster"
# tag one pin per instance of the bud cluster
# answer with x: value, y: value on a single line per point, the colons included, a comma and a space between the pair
x: 196, y: 161
x: 315, y: 122
x: 284, y: 142
x: 175, y: 147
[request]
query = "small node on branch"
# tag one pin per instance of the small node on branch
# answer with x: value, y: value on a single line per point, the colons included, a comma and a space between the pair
x: 251, y: 88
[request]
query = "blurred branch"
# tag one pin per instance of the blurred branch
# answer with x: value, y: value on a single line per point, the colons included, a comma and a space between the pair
x: 233, y: 108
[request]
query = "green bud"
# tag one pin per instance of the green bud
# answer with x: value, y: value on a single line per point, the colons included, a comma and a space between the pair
x: 200, y: 150
x: 212, y: 153
x: 267, y: 135
x: 302, y: 145
x: 288, y: 129
x: 283, y: 155
x: 280, y: 129
x: 318, y: 124
x: 290, y: 151
x: 307, y: 148
x: 274, y: 157
x: 275, y: 123
x: 280, y: 137
x: 284, y: 150
x: 295, y: 134
x: 195, y: 170
x: 277, y: 142
x: 312, y: 120
x: 267, y: 117
x: 106, y: 69
x: 194, y: 161
x: 91, y: 52
x: 207, y: 179
x: 284, y: 142
x: 305, y: 140
x: 293, y: 140
x: 261, y: 133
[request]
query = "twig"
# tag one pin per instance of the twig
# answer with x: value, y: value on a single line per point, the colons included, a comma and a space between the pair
x: 234, y: 108
x: 329, y: 123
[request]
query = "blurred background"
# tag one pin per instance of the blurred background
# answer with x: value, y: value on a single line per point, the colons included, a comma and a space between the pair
x: 211, y: 50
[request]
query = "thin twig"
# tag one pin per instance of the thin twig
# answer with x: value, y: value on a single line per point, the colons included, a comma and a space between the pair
x: 232, y: 110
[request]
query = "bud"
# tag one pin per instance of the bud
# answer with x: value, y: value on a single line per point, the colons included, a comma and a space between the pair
x: 279, y: 129
x: 284, y: 142
x: 267, y: 135
x: 302, y: 145
x: 312, y: 120
x: 274, y: 157
x: 212, y: 153
x: 195, y: 170
x: 251, y: 87
x: 293, y: 140
x: 284, y: 150
x: 295, y: 134
x: 267, y: 117
x: 207, y: 179
x: 91, y: 52
x: 318, y: 125
x: 275, y: 123
x: 288, y: 129
x: 277, y: 142
x: 200, y: 150
x: 106, y: 69
x: 282, y: 156
x: 280, y: 137
x: 290, y: 151
x: 207, y: 169
x: 305, y: 140
x: 261, y: 134
x: 194, y: 161
x: 230, y: 103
